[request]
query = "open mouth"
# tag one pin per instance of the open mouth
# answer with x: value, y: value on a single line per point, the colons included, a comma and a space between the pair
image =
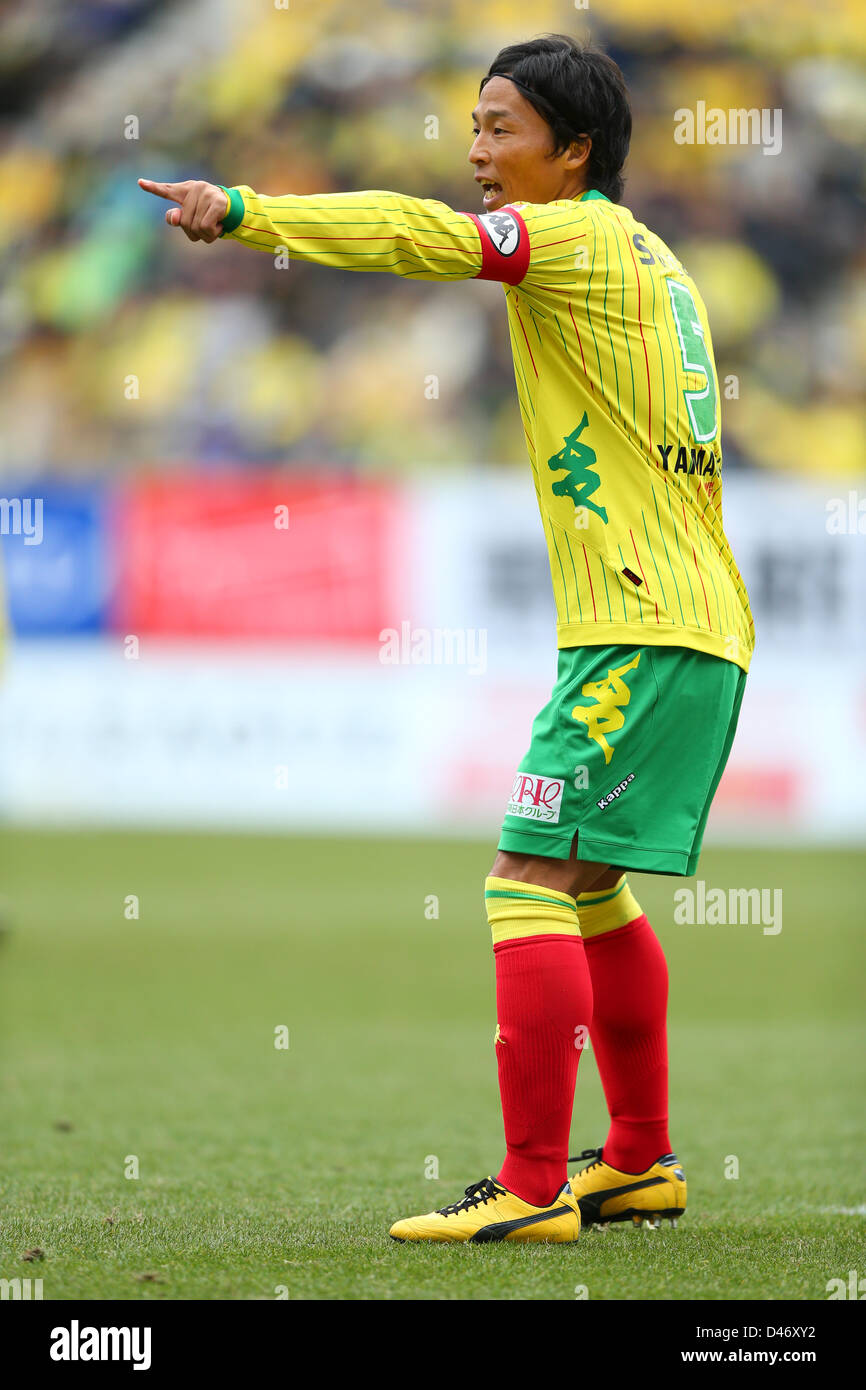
x: 491, y: 191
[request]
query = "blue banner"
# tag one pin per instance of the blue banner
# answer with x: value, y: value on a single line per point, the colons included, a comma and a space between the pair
x: 57, y: 568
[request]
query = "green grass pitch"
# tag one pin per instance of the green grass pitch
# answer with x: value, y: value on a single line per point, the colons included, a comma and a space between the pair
x: 265, y: 1169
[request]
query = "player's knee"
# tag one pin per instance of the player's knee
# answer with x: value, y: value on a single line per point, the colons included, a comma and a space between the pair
x: 513, y: 866
x: 544, y: 870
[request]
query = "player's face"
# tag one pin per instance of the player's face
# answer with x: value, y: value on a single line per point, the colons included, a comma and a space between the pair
x: 513, y: 151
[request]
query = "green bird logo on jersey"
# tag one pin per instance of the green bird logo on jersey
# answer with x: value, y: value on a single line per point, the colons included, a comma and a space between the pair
x: 579, y: 482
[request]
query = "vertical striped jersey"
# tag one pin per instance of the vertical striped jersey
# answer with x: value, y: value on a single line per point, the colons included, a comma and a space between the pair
x: 617, y: 385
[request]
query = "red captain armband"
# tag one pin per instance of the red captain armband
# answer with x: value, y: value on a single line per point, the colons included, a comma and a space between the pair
x: 504, y: 245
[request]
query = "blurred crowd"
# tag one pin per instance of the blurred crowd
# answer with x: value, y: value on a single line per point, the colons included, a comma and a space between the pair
x: 123, y: 346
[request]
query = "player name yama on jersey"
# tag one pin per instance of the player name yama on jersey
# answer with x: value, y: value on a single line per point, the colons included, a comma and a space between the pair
x: 617, y: 385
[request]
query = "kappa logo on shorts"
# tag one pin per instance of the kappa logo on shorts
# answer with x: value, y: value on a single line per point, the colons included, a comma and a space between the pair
x: 536, y: 798
x: 617, y: 791
x: 605, y: 716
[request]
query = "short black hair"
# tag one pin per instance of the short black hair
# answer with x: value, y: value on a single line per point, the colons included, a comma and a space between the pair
x: 578, y: 90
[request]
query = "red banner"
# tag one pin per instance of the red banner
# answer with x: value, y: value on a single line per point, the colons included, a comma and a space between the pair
x: 278, y: 556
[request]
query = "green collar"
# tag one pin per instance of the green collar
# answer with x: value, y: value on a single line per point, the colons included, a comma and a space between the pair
x: 592, y: 193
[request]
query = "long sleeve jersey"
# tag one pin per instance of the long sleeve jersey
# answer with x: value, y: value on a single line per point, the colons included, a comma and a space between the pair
x: 617, y: 384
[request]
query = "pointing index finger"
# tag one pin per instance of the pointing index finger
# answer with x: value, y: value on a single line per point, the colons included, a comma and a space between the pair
x: 174, y: 192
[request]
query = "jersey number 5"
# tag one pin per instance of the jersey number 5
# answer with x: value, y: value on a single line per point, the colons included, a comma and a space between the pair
x: 701, y: 404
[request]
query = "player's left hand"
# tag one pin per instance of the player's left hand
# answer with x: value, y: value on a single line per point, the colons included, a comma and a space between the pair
x: 202, y: 206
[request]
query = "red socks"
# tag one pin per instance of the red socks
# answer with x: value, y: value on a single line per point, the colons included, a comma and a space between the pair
x: 629, y: 1035
x: 552, y: 988
x: 544, y: 1011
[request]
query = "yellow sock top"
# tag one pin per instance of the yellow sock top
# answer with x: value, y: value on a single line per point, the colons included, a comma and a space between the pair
x: 606, y: 910
x: 517, y: 909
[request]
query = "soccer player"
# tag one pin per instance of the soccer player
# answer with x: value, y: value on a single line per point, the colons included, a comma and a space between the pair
x: 620, y: 405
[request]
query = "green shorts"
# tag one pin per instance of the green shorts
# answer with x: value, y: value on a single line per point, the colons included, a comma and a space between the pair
x: 626, y: 755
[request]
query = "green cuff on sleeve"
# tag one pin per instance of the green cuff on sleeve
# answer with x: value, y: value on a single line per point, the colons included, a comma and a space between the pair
x: 235, y: 215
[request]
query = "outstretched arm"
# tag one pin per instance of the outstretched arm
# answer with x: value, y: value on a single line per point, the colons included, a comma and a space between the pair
x: 419, y: 238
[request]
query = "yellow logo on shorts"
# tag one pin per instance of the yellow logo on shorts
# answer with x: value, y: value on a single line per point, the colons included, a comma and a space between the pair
x: 497, y: 1037
x: 606, y: 716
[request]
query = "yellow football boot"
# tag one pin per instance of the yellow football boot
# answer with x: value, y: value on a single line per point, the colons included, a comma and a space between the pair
x: 604, y: 1194
x: 489, y: 1212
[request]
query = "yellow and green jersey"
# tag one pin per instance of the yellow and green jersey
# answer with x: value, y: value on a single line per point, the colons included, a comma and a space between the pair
x: 618, y: 393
